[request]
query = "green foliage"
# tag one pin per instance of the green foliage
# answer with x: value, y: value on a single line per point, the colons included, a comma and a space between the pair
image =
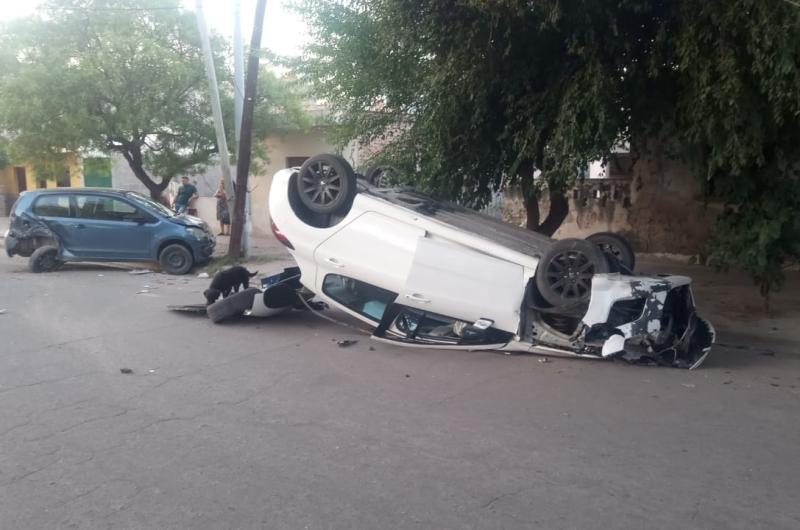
x: 738, y: 75
x: 119, y: 76
x: 466, y: 96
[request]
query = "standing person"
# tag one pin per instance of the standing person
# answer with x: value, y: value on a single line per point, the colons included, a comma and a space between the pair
x: 223, y: 215
x: 186, y: 194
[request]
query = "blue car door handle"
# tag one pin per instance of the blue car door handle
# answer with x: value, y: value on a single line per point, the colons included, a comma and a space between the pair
x: 79, y: 225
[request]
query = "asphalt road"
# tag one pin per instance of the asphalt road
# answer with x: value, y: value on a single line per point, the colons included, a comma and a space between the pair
x: 269, y: 424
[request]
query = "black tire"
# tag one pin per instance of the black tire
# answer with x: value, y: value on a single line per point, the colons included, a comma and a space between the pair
x: 616, y: 247
x: 375, y: 176
x: 564, y: 274
x: 232, y: 306
x: 176, y: 259
x: 44, y: 259
x: 326, y: 184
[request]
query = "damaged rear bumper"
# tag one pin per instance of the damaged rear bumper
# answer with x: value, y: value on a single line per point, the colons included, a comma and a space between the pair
x: 11, y: 244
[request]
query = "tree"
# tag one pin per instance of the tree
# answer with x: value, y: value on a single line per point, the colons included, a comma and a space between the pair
x: 122, y: 77
x: 472, y: 95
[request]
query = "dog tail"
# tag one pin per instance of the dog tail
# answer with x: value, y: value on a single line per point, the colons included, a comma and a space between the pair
x: 252, y: 273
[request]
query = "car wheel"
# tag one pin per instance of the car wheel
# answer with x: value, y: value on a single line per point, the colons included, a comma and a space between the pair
x: 564, y: 274
x: 44, y: 259
x: 376, y: 176
x: 232, y: 306
x: 615, y: 246
x: 326, y: 184
x: 176, y: 259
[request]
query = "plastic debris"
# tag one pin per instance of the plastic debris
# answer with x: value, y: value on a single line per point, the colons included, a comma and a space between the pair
x: 345, y: 343
x: 688, y: 385
x: 125, y: 371
x: 3, y: 311
x: 143, y: 291
x: 140, y: 271
x: 203, y: 275
x: 544, y: 360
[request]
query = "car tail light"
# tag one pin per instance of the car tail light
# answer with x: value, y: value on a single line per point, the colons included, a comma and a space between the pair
x: 279, y: 235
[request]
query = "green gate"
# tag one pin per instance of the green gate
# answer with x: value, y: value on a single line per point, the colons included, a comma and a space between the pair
x: 97, y: 172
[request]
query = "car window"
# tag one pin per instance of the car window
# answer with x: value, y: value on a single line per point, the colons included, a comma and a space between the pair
x: 103, y: 208
x: 419, y: 324
x: 149, y: 203
x: 358, y: 296
x: 52, y: 206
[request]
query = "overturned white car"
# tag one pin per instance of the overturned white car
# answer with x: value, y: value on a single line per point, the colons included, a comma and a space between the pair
x: 426, y: 273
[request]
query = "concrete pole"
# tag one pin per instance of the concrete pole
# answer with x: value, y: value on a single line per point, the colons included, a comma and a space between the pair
x: 216, y: 108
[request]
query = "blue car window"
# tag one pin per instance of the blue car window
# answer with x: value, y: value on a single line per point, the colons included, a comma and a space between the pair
x: 52, y: 206
x: 368, y: 300
x: 103, y: 208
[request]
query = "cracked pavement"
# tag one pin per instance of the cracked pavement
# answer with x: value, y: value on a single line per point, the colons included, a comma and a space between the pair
x: 268, y: 424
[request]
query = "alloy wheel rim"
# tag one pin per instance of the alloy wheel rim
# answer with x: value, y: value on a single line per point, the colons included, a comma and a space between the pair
x: 570, y: 274
x: 321, y: 184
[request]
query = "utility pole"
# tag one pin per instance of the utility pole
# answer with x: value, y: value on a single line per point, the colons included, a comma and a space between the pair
x: 243, y: 161
x: 238, y: 98
x: 216, y: 109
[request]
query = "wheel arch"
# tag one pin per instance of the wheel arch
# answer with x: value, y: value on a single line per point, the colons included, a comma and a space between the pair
x: 172, y: 241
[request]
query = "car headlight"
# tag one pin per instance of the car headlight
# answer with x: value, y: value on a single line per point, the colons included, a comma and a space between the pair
x: 195, y: 232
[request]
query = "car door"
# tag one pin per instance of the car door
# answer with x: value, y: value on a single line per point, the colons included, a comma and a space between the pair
x: 54, y: 210
x: 373, y: 248
x: 108, y: 227
x: 459, y: 282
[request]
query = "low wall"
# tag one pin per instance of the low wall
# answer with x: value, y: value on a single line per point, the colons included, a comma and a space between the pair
x: 659, y: 208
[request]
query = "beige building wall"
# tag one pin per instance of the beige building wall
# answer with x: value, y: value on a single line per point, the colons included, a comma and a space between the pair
x: 10, y: 186
x: 280, y: 148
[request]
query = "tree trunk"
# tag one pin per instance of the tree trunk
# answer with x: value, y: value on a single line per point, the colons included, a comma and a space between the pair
x: 559, y: 208
x: 246, y: 136
x: 532, y: 213
x: 133, y: 155
x: 559, y: 205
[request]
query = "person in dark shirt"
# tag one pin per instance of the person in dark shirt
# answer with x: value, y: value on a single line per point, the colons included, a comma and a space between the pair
x: 186, y: 194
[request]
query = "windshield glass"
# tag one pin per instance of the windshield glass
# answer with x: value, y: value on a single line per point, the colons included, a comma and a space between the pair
x: 150, y: 203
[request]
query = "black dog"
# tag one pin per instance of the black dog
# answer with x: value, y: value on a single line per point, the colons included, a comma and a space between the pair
x: 227, y: 280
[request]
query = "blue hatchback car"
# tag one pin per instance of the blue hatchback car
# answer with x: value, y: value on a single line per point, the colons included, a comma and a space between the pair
x: 54, y: 226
